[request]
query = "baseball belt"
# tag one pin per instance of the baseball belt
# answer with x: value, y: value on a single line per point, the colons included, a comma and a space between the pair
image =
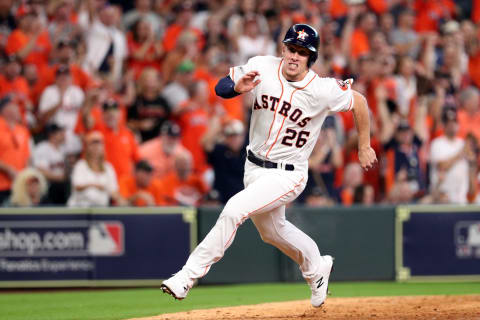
x: 267, y: 164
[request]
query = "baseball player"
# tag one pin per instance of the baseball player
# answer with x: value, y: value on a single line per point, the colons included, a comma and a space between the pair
x: 290, y: 104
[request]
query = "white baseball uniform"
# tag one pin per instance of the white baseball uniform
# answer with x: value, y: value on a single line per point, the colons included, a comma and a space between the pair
x: 286, y: 121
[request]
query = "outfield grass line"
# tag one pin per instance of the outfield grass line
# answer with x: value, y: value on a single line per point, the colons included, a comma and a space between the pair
x: 134, y: 303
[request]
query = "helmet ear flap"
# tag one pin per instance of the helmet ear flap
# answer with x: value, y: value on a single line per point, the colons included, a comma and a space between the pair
x: 312, y: 58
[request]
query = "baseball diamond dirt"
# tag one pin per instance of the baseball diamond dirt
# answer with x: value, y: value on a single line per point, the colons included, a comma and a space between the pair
x: 441, y: 307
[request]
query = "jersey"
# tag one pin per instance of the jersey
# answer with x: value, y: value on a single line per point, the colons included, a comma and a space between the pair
x: 287, y: 116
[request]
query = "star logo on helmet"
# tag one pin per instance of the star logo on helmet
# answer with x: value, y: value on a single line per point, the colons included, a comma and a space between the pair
x: 302, y: 35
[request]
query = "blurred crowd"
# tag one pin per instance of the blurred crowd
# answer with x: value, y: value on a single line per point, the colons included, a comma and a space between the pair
x: 112, y: 102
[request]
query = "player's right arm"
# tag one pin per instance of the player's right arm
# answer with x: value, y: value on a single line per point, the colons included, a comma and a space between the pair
x: 241, y: 79
x: 226, y: 88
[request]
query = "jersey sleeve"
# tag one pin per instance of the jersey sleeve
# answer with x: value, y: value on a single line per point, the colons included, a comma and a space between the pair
x: 337, y: 94
x: 239, y: 71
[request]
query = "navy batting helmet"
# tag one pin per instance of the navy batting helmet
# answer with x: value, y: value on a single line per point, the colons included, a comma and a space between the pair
x: 305, y: 36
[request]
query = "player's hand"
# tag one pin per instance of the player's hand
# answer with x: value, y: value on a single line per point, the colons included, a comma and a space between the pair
x: 367, y: 158
x: 246, y: 83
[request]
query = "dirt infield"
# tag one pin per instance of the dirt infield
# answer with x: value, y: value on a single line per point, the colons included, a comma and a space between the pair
x: 413, y: 307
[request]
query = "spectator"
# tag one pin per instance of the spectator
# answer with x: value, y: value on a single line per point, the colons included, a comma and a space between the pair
x: 66, y: 55
x: 316, y: 197
x: 14, y: 84
x: 11, y: 81
x: 472, y: 47
x: 404, y: 39
x: 49, y: 159
x: 405, y: 85
x: 447, y: 155
x: 252, y: 42
x: 7, y: 22
x: 62, y: 25
x: 364, y: 194
x: 352, y: 178
x: 215, y: 33
x: 469, y: 113
x: 236, y: 21
x: 60, y: 103
x: 91, y: 113
x: 326, y: 158
x: 429, y: 14
x: 176, y: 91
x: 30, y: 42
x: 402, y: 152
x: 184, y: 12
x: 29, y: 189
x: 193, y: 120
x: 379, y: 45
x: 144, y: 50
x: 121, y: 148
x: 220, y: 66
x: 183, y: 51
x: 143, y: 11
x: 106, y: 45
x: 142, y: 189
x: 162, y: 151
x: 94, y: 183
x: 405, y: 188
x: 387, y: 24
x: 360, y: 37
x: 226, y: 156
x: 183, y: 187
x: 472, y: 153
x: 401, y: 142
x: 150, y: 109
x: 14, y: 145
x: 452, y: 67
x: 33, y: 80
x: 37, y: 8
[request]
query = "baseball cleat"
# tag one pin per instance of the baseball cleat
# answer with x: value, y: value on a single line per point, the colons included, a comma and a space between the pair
x: 177, y: 286
x: 319, y: 283
x: 167, y: 290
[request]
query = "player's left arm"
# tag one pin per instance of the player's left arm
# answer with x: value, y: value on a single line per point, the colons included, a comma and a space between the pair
x: 366, y: 154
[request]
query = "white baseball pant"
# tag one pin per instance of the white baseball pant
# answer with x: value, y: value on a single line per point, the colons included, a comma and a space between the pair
x: 266, y: 193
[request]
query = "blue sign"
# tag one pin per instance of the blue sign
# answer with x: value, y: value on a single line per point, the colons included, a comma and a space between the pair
x: 443, y: 243
x: 113, y: 246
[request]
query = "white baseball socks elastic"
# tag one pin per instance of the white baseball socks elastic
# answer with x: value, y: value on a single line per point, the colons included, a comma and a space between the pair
x: 319, y: 283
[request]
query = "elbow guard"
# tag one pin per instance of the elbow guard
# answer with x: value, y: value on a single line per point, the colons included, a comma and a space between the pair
x: 225, y: 88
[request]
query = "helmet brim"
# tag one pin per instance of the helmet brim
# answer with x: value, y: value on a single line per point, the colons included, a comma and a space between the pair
x: 300, y: 43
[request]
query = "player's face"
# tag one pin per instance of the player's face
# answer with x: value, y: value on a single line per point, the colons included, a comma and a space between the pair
x: 296, y: 59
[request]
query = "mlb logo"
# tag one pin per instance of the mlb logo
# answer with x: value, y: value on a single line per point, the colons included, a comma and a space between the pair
x: 467, y: 239
x: 473, y: 238
x: 106, y: 239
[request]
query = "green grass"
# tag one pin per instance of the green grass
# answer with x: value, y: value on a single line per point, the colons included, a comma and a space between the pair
x: 129, y: 303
